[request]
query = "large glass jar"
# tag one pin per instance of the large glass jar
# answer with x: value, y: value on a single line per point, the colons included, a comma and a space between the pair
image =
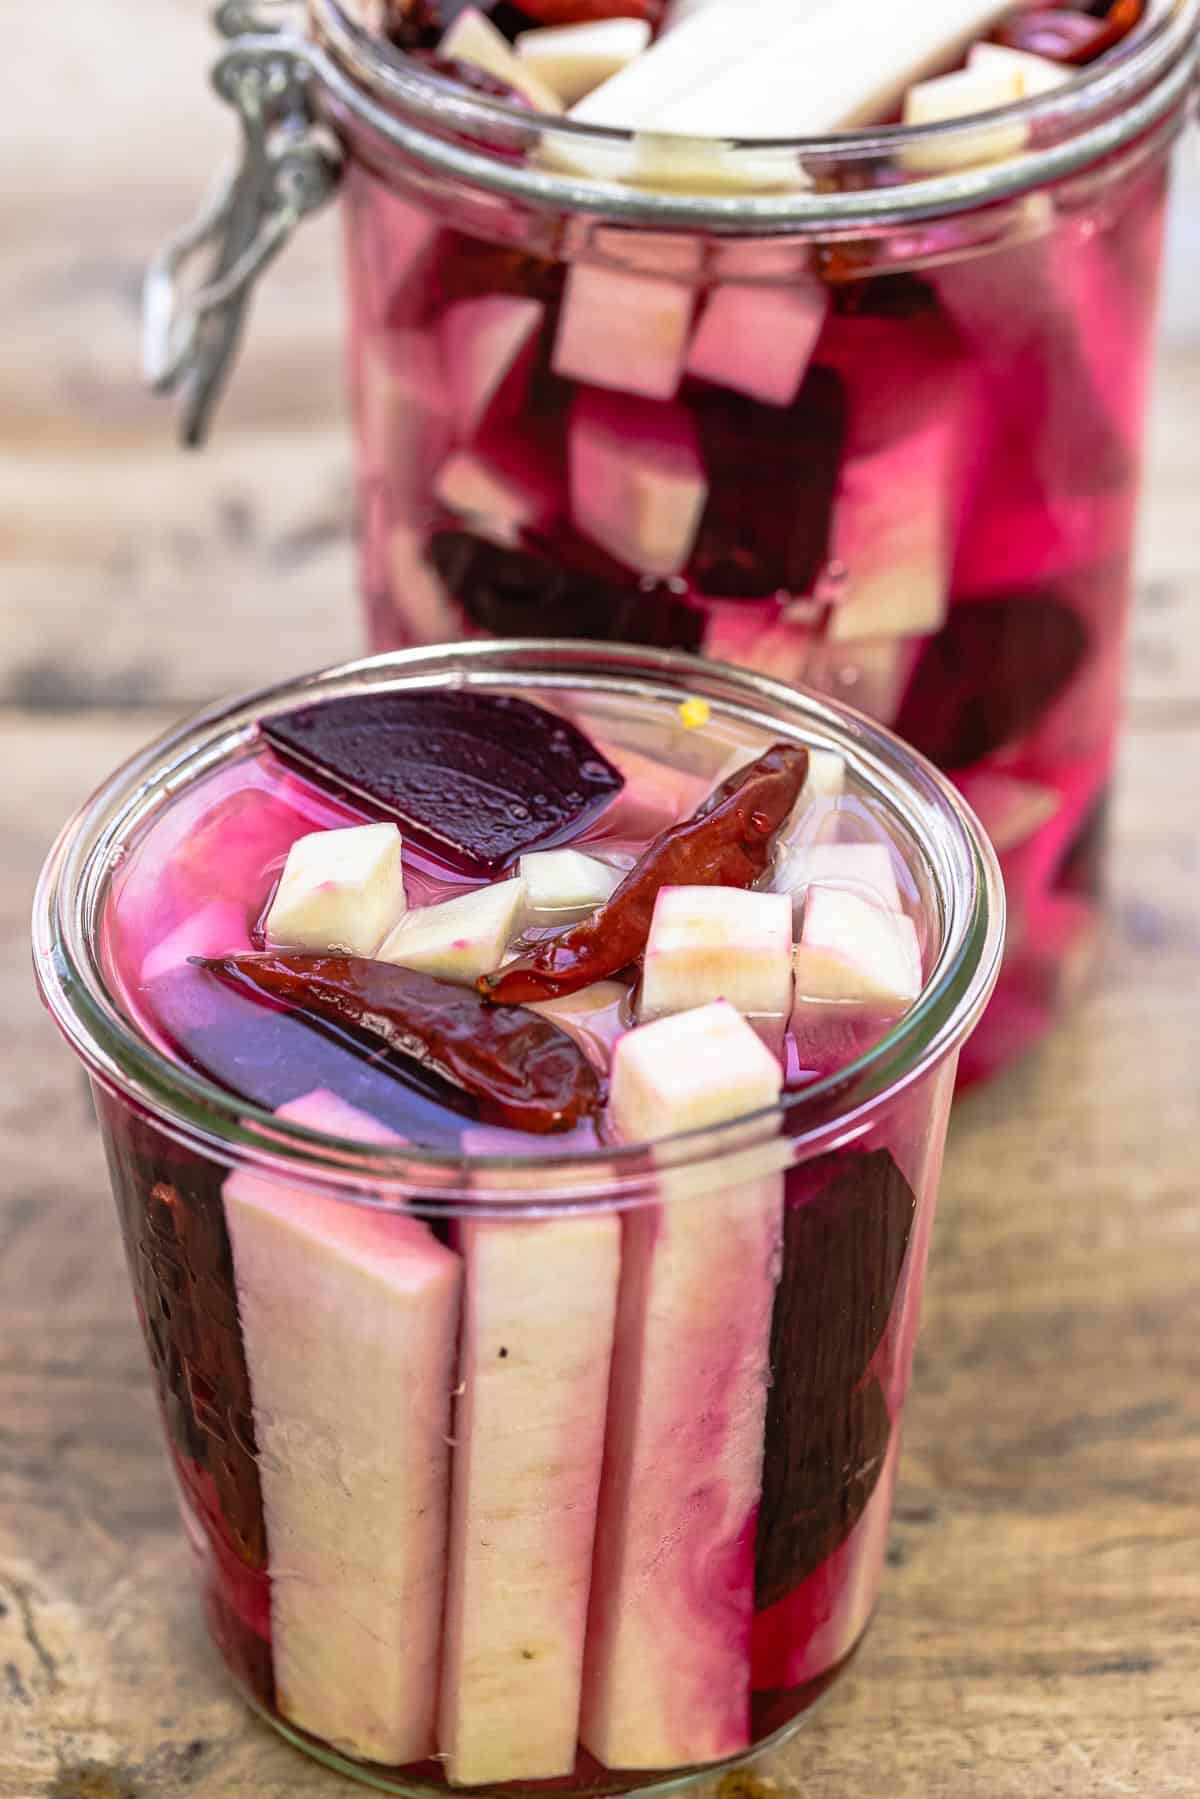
x: 864, y: 413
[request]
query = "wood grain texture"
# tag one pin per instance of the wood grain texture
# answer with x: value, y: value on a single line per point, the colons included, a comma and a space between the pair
x: 1038, y: 1635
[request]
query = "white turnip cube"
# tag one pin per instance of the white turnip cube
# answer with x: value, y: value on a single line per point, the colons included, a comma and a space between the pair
x: 340, y: 890
x: 638, y: 487
x: 573, y: 59
x: 710, y: 943
x: 688, y: 1071
x: 854, y: 952
x: 458, y: 939
x: 564, y: 884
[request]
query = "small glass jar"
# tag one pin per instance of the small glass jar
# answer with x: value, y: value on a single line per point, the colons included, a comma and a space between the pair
x: 786, y: 1251
x: 863, y: 412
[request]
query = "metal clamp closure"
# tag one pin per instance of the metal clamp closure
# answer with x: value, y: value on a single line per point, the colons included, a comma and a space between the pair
x: 289, y: 167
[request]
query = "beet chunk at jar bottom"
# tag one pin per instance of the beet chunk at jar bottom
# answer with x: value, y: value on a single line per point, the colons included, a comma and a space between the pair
x: 847, y: 1228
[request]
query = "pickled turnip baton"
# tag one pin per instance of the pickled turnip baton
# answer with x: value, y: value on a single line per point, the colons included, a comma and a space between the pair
x: 893, y: 458
x: 586, y: 1496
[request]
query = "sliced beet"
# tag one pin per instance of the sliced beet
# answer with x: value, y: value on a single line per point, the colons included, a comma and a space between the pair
x: 846, y: 1232
x: 989, y: 675
x: 477, y: 778
x: 847, y: 1226
x: 831, y: 1466
x: 173, y: 1220
x: 772, y: 473
x: 528, y: 592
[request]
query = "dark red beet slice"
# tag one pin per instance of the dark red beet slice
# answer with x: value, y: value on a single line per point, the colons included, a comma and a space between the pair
x: 989, y: 675
x: 173, y: 1221
x: 847, y: 1228
x: 519, y: 1069
x: 528, y: 593
x: 772, y: 473
x: 835, y: 1459
x: 477, y: 778
x: 269, y: 1055
x: 846, y: 1232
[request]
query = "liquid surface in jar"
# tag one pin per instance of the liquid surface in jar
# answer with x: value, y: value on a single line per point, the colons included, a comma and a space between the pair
x: 323, y: 914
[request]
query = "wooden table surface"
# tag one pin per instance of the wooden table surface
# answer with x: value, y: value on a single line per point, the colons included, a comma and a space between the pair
x: 1040, y: 1630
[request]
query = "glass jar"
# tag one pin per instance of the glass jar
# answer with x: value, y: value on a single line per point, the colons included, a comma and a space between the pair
x: 302, y: 1293
x: 864, y: 413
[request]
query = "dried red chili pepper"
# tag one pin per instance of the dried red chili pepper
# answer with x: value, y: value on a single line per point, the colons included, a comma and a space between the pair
x: 1063, y: 35
x: 725, y: 844
x: 522, y: 1070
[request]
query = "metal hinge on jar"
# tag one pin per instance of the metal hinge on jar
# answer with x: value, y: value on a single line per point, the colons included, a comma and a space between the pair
x: 289, y: 166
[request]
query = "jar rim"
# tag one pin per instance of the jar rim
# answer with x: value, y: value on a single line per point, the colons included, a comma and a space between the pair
x: 412, y: 108
x: 963, y: 874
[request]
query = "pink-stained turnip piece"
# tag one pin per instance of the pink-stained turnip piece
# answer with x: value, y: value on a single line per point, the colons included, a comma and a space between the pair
x: 897, y: 507
x: 638, y: 486
x: 350, y: 1321
x: 759, y: 340
x: 416, y: 589
x: 761, y: 636
x: 529, y: 1440
x: 461, y: 938
x: 506, y: 500
x: 1010, y: 808
x: 873, y: 677
x: 218, y: 929
x: 624, y: 331
x: 667, y: 1673
x: 405, y: 414
x: 482, y: 342
x: 709, y: 943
